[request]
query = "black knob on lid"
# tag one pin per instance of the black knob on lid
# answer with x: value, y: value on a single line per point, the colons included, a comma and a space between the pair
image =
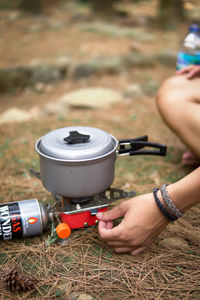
x: 75, y: 138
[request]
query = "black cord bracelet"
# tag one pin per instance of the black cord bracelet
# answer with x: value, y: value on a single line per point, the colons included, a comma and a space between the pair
x: 162, y: 208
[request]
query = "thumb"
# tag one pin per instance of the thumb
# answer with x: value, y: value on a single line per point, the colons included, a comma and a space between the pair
x: 112, y: 214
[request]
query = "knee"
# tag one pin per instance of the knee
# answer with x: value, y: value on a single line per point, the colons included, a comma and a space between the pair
x: 169, y: 93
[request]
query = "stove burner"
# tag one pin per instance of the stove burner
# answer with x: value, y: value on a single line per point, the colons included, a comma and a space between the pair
x: 81, y: 200
x: 104, y: 199
x: 81, y: 212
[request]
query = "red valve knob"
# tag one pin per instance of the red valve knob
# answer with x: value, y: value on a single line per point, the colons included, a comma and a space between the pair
x: 63, y: 230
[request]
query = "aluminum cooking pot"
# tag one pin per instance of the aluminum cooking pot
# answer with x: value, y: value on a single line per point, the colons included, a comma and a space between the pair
x: 78, y: 162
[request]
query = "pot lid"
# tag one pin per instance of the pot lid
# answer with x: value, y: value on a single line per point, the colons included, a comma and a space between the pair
x: 76, y: 143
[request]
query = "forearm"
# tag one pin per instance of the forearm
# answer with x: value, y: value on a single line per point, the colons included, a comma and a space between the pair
x: 185, y: 193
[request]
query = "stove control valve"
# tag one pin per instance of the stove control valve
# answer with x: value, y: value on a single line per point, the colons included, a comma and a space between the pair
x: 63, y: 230
x: 93, y: 212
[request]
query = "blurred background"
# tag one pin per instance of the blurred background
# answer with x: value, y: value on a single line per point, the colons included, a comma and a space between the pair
x: 94, y: 63
x: 48, y: 48
x: 44, y: 41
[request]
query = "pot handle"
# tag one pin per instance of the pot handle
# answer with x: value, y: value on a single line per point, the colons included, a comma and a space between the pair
x: 128, y: 141
x: 136, y: 145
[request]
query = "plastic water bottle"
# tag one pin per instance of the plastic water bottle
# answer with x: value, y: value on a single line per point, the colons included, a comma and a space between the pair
x: 189, y: 51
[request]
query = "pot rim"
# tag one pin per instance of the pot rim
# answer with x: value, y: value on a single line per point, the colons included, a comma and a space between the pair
x: 76, y: 160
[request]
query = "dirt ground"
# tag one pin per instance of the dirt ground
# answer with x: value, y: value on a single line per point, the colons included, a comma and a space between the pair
x: 86, y: 265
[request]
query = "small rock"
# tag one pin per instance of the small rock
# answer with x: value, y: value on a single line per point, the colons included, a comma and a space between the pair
x: 139, y: 60
x: 55, y: 24
x: 73, y: 296
x: 35, y: 28
x: 85, y: 297
x: 91, y: 98
x: 65, y: 286
x: 133, y: 90
x: 39, y: 87
x: 14, y: 16
x: 34, y: 113
x: 49, y: 88
x: 36, y: 62
x: 17, y: 115
x: 82, y: 70
x: 55, y: 108
x: 174, y: 243
x: 113, y: 64
x: 14, y: 115
x: 80, y: 296
x: 44, y: 73
x: 14, y: 77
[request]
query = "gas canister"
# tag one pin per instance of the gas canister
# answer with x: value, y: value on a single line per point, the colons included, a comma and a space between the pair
x: 22, y: 219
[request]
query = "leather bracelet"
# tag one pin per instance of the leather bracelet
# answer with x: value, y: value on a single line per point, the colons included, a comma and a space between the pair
x: 162, y: 208
x: 174, y: 210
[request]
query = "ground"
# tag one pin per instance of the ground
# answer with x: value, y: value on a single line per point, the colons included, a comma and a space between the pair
x: 86, y: 265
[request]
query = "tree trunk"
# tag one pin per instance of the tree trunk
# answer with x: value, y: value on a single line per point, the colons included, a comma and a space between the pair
x: 171, y: 11
x: 31, y: 6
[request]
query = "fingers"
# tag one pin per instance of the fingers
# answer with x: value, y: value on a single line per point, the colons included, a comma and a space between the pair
x: 105, y: 225
x: 123, y: 249
x: 191, y: 70
x: 138, y: 250
x: 130, y: 250
x: 185, y: 70
x: 117, y: 244
x: 107, y: 232
x: 109, y: 225
x: 112, y: 214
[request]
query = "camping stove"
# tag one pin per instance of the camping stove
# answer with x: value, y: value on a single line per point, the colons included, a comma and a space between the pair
x: 30, y: 217
x: 81, y: 212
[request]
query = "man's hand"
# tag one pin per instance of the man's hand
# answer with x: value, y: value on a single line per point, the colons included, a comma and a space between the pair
x: 141, y: 224
x: 191, y: 71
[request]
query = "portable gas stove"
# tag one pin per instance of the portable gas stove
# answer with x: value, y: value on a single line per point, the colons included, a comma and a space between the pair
x: 81, y: 212
x: 75, y: 162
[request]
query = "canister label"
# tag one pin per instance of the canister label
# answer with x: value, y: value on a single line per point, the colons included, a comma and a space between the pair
x: 20, y: 219
x: 10, y: 221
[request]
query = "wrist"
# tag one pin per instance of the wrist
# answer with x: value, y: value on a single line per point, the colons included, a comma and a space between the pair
x: 167, y: 207
x: 182, y: 202
x: 185, y: 193
x: 157, y: 214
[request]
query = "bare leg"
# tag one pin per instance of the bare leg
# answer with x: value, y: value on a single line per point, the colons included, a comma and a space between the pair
x: 178, y: 102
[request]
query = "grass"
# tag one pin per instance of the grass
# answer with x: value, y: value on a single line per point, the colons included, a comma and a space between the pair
x: 86, y: 264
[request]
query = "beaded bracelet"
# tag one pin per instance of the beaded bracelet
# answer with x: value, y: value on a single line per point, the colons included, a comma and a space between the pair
x: 162, y: 208
x: 169, y: 202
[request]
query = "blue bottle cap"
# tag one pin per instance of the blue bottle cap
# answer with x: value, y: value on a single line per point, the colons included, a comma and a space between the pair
x: 194, y: 28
